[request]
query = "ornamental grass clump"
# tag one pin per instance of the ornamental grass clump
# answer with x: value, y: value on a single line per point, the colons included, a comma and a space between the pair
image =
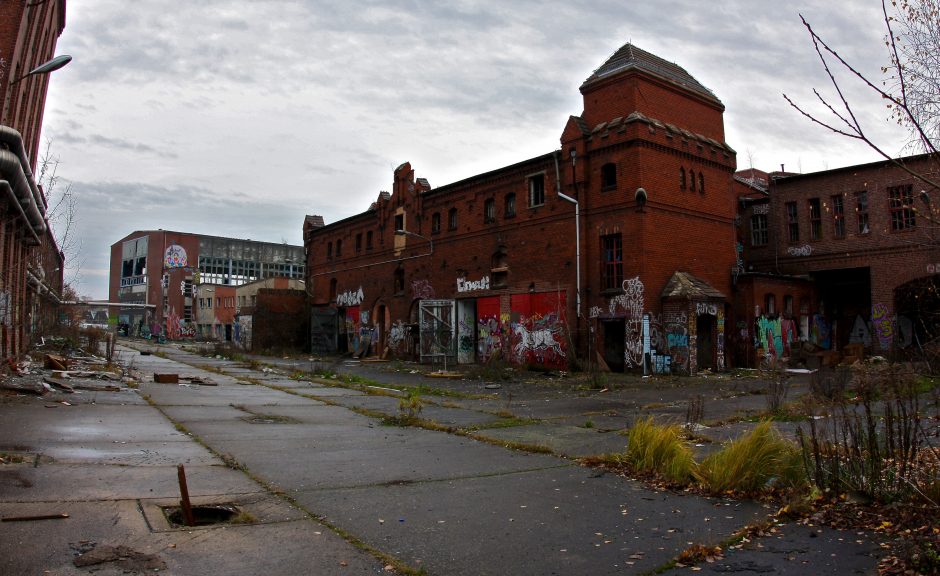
x: 758, y: 460
x: 657, y: 449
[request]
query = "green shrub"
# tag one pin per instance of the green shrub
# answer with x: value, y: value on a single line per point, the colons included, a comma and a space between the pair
x: 660, y: 450
x: 749, y: 464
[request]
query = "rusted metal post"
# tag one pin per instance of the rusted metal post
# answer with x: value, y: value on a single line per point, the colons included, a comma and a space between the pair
x: 184, y: 497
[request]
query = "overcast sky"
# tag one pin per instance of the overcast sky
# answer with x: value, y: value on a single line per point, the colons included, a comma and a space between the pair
x: 237, y: 118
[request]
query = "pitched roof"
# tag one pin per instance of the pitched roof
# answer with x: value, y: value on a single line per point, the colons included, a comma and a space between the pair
x: 629, y: 57
x: 685, y: 285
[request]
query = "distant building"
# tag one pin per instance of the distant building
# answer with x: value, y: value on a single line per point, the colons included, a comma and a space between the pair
x: 161, y: 276
x: 31, y: 264
x: 619, y: 246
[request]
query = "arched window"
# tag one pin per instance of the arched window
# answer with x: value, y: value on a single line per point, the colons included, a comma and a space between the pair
x: 682, y: 178
x: 609, y: 177
x: 692, y: 180
x: 510, y: 210
x: 332, y: 289
x: 452, y: 219
x: 701, y: 183
x: 435, y: 223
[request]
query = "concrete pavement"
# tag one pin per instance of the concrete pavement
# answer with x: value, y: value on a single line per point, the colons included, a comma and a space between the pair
x: 331, y: 490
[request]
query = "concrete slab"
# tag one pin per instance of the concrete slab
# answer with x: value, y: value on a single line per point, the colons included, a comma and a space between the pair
x: 571, y: 441
x: 559, y: 521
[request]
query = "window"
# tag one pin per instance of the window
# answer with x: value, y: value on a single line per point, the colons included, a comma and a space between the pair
x: 701, y: 183
x: 608, y: 177
x: 901, y: 202
x: 452, y: 219
x: 838, y: 216
x: 682, y: 178
x: 692, y: 180
x: 369, y: 240
x: 815, y: 219
x: 793, y: 223
x: 489, y: 211
x: 329, y: 249
x: 536, y: 190
x: 510, y: 210
x: 359, y: 242
x: 788, y: 305
x: 332, y: 289
x: 861, y: 211
x: 399, y: 280
x: 399, y: 221
x: 770, y: 304
x: 612, y: 265
x: 435, y: 223
x: 759, y: 230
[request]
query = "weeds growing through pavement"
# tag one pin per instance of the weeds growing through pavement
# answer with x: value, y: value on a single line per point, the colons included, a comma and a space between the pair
x: 761, y: 458
x: 660, y: 450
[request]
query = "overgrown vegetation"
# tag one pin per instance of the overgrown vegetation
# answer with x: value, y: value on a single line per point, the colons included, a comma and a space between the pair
x: 759, y: 459
x: 653, y: 448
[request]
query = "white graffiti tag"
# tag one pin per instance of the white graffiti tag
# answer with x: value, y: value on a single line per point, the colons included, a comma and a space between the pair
x: 535, y: 341
x: 804, y: 250
x: 350, y: 298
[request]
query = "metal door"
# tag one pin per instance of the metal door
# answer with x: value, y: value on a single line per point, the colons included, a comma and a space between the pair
x: 438, y: 342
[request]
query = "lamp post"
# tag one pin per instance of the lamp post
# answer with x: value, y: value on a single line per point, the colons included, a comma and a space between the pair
x: 46, y: 67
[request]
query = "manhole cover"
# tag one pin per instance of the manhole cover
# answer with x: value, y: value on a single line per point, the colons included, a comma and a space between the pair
x: 203, y: 515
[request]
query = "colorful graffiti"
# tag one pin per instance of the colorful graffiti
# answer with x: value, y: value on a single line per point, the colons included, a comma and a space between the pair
x: 422, y: 290
x: 675, y: 326
x: 490, y: 335
x: 397, y: 336
x: 884, y: 325
x: 175, y: 257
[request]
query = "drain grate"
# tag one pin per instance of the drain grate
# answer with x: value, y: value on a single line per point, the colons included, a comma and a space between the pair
x: 203, y: 515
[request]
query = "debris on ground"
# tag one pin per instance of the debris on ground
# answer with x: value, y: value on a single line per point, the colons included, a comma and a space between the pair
x: 123, y: 557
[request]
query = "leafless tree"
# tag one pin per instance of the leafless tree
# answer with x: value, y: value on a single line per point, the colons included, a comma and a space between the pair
x: 61, y: 213
x: 910, y: 86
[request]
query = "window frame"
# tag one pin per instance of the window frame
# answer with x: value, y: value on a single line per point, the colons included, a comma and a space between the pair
x: 452, y: 219
x: 611, y: 261
x: 793, y: 222
x: 815, y: 218
x: 536, y: 186
x: 608, y: 177
x: 760, y: 235
x: 436, y: 223
x: 862, y: 212
x: 509, y: 205
x: 901, y: 207
x: 489, y: 211
x: 838, y: 216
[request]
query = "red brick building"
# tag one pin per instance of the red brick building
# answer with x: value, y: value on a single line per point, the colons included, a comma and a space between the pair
x: 619, y: 246
x: 31, y: 264
x: 865, y: 239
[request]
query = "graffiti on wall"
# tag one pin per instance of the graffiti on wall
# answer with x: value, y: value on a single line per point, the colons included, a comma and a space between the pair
x: 883, y: 322
x: 539, y: 340
x: 804, y: 250
x: 243, y: 331
x: 422, y: 290
x: 397, y: 336
x: 463, y: 285
x: 631, y: 301
x: 675, y: 325
x: 491, y: 331
x: 350, y: 297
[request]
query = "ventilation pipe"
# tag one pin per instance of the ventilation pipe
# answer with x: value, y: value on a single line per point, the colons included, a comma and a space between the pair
x: 15, y: 164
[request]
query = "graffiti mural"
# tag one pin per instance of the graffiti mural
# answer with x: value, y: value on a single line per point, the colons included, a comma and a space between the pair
x: 243, y: 332
x: 466, y: 331
x: 631, y: 301
x: 422, y: 290
x: 804, y: 250
x: 883, y: 323
x: 675, y: 327
x: 538, y: 339
x: 397, y: 337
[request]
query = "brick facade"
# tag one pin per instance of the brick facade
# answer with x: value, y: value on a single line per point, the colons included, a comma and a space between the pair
x: 866, y: 235
x: 652, y: 180
x: 31, y: 264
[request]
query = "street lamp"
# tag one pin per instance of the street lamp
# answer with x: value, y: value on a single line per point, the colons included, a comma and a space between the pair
x: 407, y: 233
x: 46, y: 67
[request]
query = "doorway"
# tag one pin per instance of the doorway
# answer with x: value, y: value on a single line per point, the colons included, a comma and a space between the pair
x: 705, y: 342
x: 614, y: 332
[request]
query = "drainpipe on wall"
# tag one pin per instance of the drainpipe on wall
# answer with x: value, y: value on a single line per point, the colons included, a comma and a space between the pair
x: 577, y: 233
